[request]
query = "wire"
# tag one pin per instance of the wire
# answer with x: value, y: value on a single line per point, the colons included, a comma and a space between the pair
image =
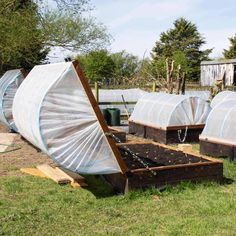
x: 10, y: 145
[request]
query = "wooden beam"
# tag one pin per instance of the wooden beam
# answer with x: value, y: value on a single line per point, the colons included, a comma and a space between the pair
x: 34, y: 172
x: 177, y: 127
x: 54, y: 174
x: 73, y: 177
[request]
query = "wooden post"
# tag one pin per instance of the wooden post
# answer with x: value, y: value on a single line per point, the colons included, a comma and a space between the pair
x: 179, y: 80
x: 96, y: 91
x: 154, y: 87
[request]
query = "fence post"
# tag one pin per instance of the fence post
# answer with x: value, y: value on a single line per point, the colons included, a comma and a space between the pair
x: 96, y: 91
x: 154, y: 87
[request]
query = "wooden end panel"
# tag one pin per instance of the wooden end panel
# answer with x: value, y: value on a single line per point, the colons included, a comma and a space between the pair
x: 218, y: 150
x: 137, y: 129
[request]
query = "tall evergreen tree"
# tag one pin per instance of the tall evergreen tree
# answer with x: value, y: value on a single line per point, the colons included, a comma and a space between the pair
x: 185, y: 38
x: 231, y: 52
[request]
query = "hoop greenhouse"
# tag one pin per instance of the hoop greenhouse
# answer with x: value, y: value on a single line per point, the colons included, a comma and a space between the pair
x: 156, y: 113
x: 9, y: 84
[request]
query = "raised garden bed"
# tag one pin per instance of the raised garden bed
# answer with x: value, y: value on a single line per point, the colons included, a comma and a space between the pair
x: 166, y: 166
x: 120, y: 134
x: 168, y: 135
x: 218, y: 149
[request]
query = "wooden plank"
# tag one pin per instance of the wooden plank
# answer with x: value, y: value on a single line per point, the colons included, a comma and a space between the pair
x: 218, y: 150
x: 217, y: 141
x: 78, y: 185
x: 54, y: 174
x: 100, y: 117
x: 34, y: 172
x: 200, y: 126
x: 117, y: 103
x: 73, y: 177
x: 185, y: 147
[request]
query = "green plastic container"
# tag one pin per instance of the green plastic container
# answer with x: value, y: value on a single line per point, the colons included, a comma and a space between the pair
x: 114, y: 116
x: 106, y: 115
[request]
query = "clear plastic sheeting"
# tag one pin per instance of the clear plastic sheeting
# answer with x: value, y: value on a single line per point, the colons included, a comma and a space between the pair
x: 115, y: 95
x: 51, y: 110
x: 221, y: 123
x: 163, y: 110
x: 222, y: 97
x: 201, y: 94
x: 9, y: 84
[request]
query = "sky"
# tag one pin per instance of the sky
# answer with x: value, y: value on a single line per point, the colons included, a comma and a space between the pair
x: 135, y: 25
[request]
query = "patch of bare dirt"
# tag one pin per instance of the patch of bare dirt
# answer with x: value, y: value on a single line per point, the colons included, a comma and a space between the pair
x: 26, y: 156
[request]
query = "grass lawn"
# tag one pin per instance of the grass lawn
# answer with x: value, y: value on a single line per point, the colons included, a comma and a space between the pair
x: 35, y: 206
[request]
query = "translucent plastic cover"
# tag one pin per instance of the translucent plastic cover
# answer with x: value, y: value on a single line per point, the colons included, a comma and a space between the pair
x: 201, y: 94
x: 162, y: 110
x: 115, y: 95
x: 51, y: 110
x: 221, y: 123
x: 9, y: 83
x: 222, y: 97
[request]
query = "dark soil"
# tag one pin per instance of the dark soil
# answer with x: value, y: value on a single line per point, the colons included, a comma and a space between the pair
x: 155, y: 156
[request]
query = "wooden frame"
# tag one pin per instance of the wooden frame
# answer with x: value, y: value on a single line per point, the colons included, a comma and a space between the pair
x: 168, y: 135
x: 218, y: 149
x: 120, y: 134
x: 206, y: 169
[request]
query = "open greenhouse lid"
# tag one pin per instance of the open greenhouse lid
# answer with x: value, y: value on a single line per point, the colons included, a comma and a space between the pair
x: 56, y: 111
x: 110, y: 143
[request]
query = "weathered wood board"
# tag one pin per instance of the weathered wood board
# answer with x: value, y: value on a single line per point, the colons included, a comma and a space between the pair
x: 170, y: 135
x: 218, y: 149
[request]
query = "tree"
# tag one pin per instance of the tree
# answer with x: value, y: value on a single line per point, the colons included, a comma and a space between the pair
x: 21, y: 41
x: 67, y: 26
x: 97, y: 65
x: 126, y: 65
x: 29, y: 28
x: 185, y: 38
x: 231, y: 52
x: 73, y: 33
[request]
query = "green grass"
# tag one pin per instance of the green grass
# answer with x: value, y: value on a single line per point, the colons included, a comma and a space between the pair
x: 35, y: 206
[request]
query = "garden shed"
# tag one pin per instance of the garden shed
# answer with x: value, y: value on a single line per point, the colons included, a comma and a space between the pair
x: 219, y: 135
x: 225, y: 70
x: 56, y: 111
x: 9, y: 84
x: 222, y: 97
x: 169, y: 118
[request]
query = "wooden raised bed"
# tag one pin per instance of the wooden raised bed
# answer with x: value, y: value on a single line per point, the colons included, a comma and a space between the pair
x: 120, y: 134
x: 170, y: 166
x: 217, y: 149
x: 168, y: 135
